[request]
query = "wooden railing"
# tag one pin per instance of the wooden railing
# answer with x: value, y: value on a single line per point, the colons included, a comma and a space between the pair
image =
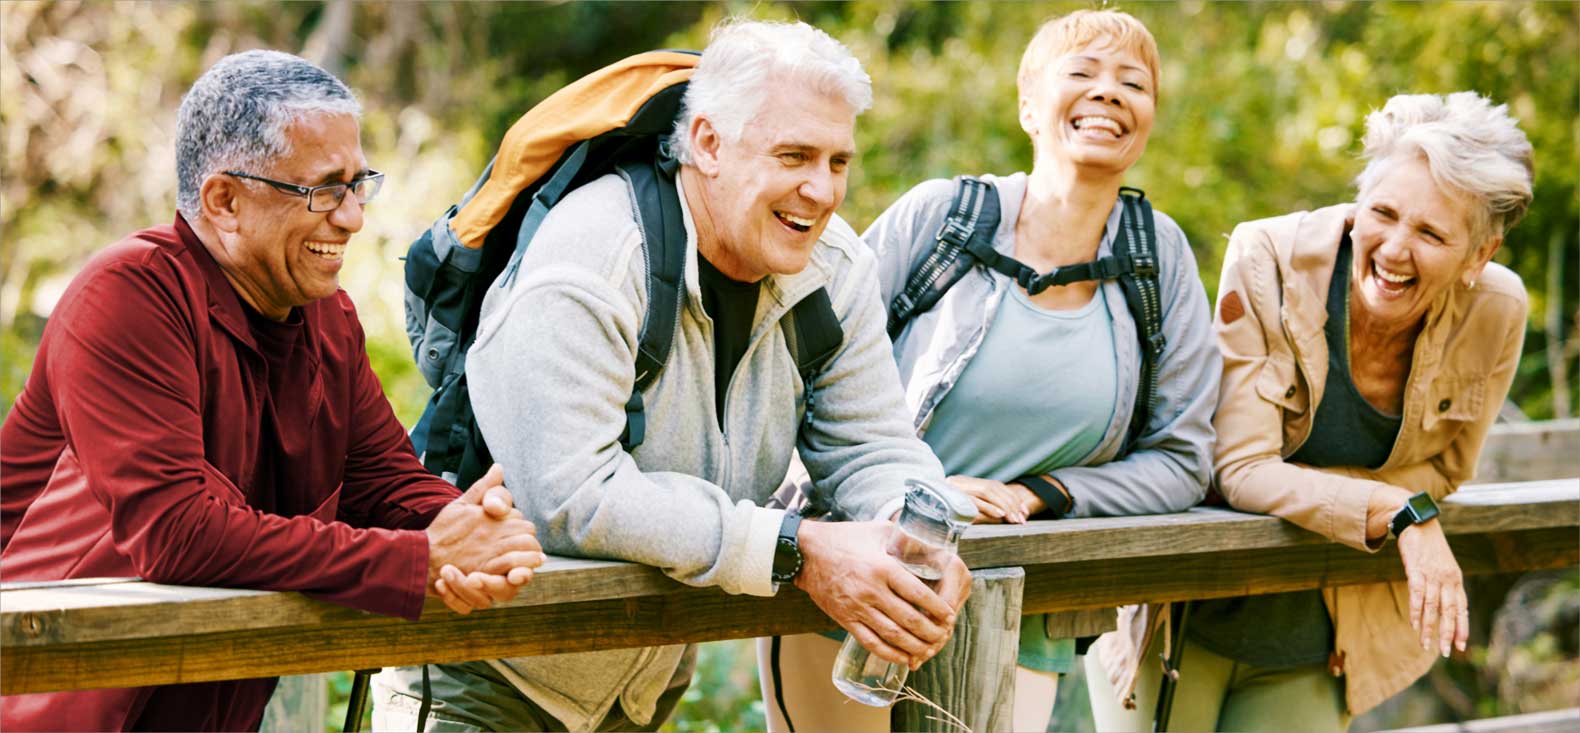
x: 116, y: 632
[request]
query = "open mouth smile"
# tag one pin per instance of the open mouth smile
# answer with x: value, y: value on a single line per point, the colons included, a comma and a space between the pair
x: 1389, y: 282
x: 794, y: 222
x: 1094, y: 125
x: 333, y: 251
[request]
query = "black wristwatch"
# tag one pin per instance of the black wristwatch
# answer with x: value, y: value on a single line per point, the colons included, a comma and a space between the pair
x: 1418, y: 509
x: 787, y: 550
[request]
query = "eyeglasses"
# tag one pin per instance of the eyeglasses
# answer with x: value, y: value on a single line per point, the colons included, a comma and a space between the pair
x: 327, y: 197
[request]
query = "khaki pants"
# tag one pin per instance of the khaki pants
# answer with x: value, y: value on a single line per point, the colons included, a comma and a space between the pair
x: 1219, y: 694
x: 806, y: 662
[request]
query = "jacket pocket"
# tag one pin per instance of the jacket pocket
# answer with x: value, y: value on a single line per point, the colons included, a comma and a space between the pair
x: 1279, y: 383
x: 1457, y: 399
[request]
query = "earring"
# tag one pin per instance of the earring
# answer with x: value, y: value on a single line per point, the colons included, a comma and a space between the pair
x: 1471, y: 285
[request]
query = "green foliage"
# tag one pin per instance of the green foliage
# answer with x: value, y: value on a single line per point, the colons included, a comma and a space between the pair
x: 724, y: 695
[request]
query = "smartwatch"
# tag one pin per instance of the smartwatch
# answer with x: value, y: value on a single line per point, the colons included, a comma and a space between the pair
x: 787, y: 549
x: 1417, y: 509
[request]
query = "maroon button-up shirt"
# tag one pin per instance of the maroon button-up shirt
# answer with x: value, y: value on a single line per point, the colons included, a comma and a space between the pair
x: 156, y: 437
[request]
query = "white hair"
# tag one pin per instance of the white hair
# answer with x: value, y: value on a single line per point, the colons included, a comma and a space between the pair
x: 746, y: 60
x: 235, y: 116
x: 1469, y: 145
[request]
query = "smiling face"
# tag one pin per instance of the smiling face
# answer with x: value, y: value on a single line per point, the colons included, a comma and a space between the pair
x: 275, y: 252
x: 765, y: 199
x: 1092, y: 108
x: 1412, y: 242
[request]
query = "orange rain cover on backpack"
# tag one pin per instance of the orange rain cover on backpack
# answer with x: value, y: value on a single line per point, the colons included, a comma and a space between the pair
x: 597, y: 103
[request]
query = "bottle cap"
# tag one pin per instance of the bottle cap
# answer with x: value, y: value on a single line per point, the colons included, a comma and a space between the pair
x: 940, y: 502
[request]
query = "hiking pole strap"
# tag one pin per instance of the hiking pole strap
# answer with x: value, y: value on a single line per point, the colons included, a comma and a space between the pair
x: 1178, y: 614
x: 779, y: 688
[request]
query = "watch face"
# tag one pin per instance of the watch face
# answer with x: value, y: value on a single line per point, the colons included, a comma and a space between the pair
x: 1422, y: 506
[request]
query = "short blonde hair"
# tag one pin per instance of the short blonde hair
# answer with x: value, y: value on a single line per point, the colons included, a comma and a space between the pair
x: 1079, y: 29
x: 1470, y: 145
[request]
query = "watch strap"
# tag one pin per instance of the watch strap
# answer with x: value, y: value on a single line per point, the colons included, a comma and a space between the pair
x: 787, y: 548
x: 1408, y: 516
x: 1058, y: 499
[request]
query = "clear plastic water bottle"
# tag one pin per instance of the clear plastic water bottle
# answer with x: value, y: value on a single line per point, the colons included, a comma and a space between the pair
x: 924, y: 539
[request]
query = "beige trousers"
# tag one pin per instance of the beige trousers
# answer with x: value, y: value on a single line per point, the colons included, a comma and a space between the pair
x: 806, y: 662
x: 1219, y: 694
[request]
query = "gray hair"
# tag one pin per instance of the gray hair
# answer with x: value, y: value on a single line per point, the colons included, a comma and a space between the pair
x: 745, y: 57
x: 236, y: 115
x: 1469, y: 145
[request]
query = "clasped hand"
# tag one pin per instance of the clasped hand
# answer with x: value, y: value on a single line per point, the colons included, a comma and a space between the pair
x: 889, y: 611
x: 481, y: 550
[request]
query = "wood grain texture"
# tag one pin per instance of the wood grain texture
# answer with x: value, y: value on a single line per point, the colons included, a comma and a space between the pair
x: 973, y: 676
x: 1529, y: 451
x: 107, y: 633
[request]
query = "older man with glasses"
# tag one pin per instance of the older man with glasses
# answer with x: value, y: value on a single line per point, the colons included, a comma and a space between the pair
x: 202, y: 410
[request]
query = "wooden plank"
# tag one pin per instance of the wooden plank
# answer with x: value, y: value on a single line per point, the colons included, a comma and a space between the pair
x: 113, y: 633
x: 1106, y: 583
x: 705, y: 614
x: 1556, y: 721
x: 1529, y: 451
x: 973, y: 676
x: 1529, y: 505
x: 110, y: 609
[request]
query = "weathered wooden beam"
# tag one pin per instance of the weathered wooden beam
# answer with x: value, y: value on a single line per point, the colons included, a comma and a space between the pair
x: 1529, y: 451
x: 973, y: 676
x: 695, y: 615
x: 81, y: 634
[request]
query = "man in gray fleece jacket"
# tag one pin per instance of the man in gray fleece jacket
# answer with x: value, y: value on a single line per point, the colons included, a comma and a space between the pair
x: 765, y: 141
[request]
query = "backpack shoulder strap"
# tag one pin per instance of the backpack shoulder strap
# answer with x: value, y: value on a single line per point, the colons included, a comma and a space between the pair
x: 814, y: 336
x: 969, y: 227
x: 1137, y: 240
x: 652, y: 182
x: 816, y: 333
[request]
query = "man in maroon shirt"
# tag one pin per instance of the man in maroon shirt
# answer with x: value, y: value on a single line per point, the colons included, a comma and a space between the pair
x: 202, y: 410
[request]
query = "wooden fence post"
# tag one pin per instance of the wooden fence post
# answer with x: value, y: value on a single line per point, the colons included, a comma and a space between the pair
x: 973, y: 676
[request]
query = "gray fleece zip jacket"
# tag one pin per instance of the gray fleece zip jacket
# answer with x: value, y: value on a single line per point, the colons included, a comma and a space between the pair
x: 550, y: 373
x: 1169, y: 466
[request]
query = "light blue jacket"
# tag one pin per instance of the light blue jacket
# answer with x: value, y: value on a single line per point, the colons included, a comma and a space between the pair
x: 1168, y: 468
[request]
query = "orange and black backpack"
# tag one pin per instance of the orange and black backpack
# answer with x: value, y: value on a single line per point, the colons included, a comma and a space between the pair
x: 615, y: 120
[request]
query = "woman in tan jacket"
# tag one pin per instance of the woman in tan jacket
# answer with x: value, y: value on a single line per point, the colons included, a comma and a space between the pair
x: 1367, y: 348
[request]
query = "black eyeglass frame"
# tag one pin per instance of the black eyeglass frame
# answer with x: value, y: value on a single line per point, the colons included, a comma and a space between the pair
x: 308, y: 191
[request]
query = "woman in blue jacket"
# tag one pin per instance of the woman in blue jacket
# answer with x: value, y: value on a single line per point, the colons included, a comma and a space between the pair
x: 1027, y: 396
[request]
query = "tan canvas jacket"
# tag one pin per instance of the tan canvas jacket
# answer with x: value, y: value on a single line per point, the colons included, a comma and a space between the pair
x: 1269, y: 319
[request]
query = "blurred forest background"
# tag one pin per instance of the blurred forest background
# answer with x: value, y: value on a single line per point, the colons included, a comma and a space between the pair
x: 1261, y: 110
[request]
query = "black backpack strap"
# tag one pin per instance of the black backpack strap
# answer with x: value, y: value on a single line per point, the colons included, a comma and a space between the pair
x: 1137, y: 240
x: 652, y: 182
x: 815, y: 337
x: 972, y: 220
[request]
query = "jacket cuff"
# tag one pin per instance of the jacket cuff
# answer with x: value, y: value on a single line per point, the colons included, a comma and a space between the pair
x: 762, y: 537
x: 413, y: 544
x: 1347, y: 513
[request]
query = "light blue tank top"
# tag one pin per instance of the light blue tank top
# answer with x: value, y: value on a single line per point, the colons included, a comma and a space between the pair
x: 1037, y: 396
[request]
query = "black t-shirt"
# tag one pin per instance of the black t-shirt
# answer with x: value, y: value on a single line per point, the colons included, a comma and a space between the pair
x: 731, y: 304
x: 1294, y: 628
